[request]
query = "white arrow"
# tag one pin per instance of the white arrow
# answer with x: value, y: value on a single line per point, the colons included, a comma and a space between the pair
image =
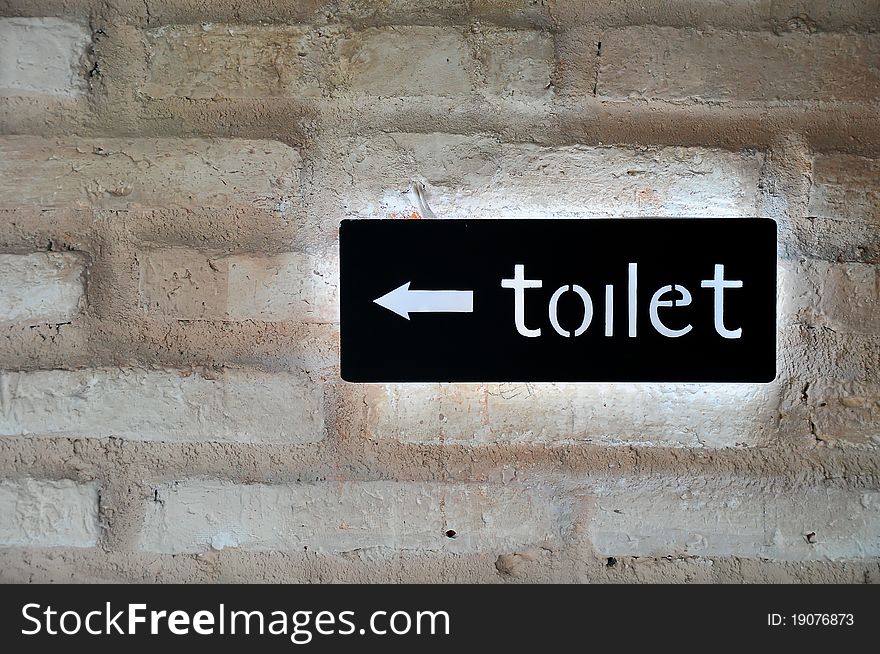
x: 403, y: 301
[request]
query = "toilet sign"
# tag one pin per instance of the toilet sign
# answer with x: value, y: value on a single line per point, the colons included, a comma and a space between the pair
x: 624, y: 300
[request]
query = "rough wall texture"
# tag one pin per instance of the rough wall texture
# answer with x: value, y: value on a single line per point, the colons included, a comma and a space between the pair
x: 172, y: 177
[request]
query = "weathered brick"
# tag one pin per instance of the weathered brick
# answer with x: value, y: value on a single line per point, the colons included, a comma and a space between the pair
x: 42, y: 56
x: 382, y: 516
x: 842, y: 297
x: 189, y: 254
x: 407, y: 61
x: 844, y: 410
x: 403, y: 12
x: 184, y: 283
x: 194, y: 284
x: 516, y: 12
x: 661, y: 63
x: 230, y: 228
x: 42, y: 513
x: 779, y: 15
x: 304, y: 61
x: 477, y: 177
x: 643, y: 518
x: 232, y: 61
x: 845, y: 187
x: 696, y: 415
x: 115, y: 173
x: 844, y: 208
x: 804, y: 352
x: 517, y: 64
x: 43, y: 287
x: 148, y: 405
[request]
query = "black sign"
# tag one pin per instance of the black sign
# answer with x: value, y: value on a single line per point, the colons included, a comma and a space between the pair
x: 679, y: 300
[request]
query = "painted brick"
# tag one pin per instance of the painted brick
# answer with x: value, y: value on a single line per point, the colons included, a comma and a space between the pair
x: 381, y: 516
x: 477, y: 177
x: 43, y: 287
x: 194, y: 284
x: 147, y: 405
x: 702, y: 519
x: 694, y: 415
x: 844, y: 208
x: 234, y: 61
x: 115, y: 173
x: 42, y: 513
x: 42, y: 56
x: 662, y: 63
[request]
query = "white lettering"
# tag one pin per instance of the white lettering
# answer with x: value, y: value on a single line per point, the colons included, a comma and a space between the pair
x: 657, y: 303
x: 519, y: 283
x: 718, y: 283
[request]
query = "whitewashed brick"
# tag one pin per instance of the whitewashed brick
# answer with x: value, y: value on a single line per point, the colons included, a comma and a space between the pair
x: 42, y: 513
x: 147, y: 405
x: 383, y: 517
x: 694, y: 415
x: 477, y: 177
x: 115, y: 173
x: 664, y: 63
x: 642, y: 518
x: 42, y: 56
x: 43, y: 287
x: 194, y: 284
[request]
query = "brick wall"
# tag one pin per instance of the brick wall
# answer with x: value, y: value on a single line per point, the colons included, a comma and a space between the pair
x: 172, y: 177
